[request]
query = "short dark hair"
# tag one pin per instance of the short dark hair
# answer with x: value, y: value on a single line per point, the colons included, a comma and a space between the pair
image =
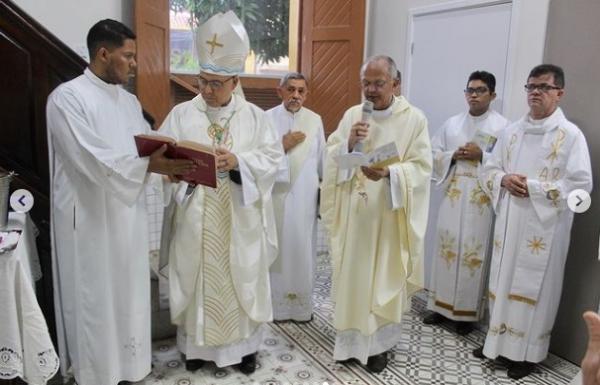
x: 399, y: 76
x: 543, y: 69
x: 486, y: 77
x: 108, y: 33
x: 292, y: 76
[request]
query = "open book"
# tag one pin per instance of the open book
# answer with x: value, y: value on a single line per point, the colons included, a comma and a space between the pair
x: 202, y: 155
x: 378, y: 158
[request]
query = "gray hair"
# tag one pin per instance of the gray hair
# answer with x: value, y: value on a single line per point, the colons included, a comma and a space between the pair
x: 392, y: 69
x: 292, y: 76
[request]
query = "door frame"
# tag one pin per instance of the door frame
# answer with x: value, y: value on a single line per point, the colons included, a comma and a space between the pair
x: 527, y: 38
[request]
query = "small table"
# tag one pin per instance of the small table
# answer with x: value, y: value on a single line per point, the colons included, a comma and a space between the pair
x: 26, y: 349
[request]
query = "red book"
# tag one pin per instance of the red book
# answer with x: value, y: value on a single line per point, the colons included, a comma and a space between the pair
x: 202, y: 155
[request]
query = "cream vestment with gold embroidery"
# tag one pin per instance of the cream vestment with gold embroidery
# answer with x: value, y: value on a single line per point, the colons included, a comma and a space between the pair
x: 376, y: 240
x: 223, y: 240
x: 531, y: 235
x: 464, y: 220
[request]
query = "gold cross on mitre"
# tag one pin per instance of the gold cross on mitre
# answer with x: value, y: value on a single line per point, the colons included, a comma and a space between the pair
x: 213, y: 43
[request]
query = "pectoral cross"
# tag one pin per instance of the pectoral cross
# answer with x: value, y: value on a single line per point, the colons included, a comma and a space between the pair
x: 213, y: 43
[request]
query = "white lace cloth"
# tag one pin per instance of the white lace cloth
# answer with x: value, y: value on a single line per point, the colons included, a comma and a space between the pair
x: 26, y: 350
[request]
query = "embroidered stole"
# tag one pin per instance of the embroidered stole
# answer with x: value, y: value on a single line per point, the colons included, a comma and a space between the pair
x: 221, y: 307
x: 535, y: 243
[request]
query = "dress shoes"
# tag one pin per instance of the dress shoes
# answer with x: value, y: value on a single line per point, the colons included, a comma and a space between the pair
x: 248, y: 364
x: 433, y: 319
x: 464, y: 328
x: 518, y: 370
x: 478, y: 353
x: 193, y: 365
x: 378, y: 362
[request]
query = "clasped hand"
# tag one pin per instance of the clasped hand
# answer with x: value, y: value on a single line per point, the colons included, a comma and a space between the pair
x: 375, y: 173
x: 226, y: 160
x: 470, y: 151
x: 516, y: 185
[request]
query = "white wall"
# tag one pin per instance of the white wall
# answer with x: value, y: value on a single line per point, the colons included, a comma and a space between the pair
x: 387, y: 33
x: 70, y: 20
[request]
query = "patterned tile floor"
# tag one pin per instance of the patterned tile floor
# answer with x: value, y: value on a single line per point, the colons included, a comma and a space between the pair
x: 301, y: 354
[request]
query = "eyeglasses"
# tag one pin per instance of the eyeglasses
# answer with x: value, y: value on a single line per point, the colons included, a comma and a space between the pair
x: 379, y: 84
x: 477, y: 91
x: 529, y: 88
x: 213, y: 84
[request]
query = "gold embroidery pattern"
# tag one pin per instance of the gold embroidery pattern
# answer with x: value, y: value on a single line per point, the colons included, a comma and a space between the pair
x: 213, y: 43
x: 497, y: 245
x: 515, y: 332
x: 520, y: 298
x: 536, y: 245
x: 221, y: 308
x: 447, y: 247
x: 471, y: 257
x: 561, y: 135
x: 497, y: 330
x: 480, y: 199
x: 503, y: 329
x: 462, y: 313
x: 452, y: 192
x: 492, y: 296
x: 490, y: 183
x: 513, y: 140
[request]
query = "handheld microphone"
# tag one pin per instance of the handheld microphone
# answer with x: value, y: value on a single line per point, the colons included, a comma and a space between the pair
x: 367, y: 111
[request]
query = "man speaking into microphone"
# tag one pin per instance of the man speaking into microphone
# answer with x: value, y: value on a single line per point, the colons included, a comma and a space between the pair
x: 376, y: 218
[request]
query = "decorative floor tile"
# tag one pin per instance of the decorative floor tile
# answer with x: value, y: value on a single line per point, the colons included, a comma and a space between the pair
x: 301, y: 354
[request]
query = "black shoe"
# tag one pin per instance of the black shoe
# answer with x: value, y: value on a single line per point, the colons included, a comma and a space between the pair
x: 193, y: 365
x: 518, y: 370
x: 248, y: 364
x: 346, y: 361
x: 478, y: 353
x: 433, y: 319
x: 464, y: 328
x: 378, y: 362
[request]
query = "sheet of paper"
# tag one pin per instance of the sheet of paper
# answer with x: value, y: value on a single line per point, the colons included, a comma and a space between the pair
x: 351, y: 160
x: 383, y: 153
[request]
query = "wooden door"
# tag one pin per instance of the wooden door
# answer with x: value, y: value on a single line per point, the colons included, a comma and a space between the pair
x: 332, y: 53
x: 152, y: 81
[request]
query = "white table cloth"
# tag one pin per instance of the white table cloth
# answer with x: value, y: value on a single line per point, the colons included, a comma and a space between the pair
x: 26, y: 349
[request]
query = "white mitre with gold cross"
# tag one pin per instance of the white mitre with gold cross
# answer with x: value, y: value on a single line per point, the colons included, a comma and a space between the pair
x: 223, y: 45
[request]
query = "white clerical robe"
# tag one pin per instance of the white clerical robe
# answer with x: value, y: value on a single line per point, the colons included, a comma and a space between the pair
x: 531, y: 235
x: 218, y: 306
x: 295, y: 200
x: 465, y: 216
x: 376, y: 230
x: 99, y: 232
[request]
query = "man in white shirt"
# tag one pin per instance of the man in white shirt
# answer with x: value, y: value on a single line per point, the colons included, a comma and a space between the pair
x: 98, y: 214
x: 376, y: 218
x: 464, y: 223
x: 295, y: 200
x: 223, y: 240
x: 538, y: 161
